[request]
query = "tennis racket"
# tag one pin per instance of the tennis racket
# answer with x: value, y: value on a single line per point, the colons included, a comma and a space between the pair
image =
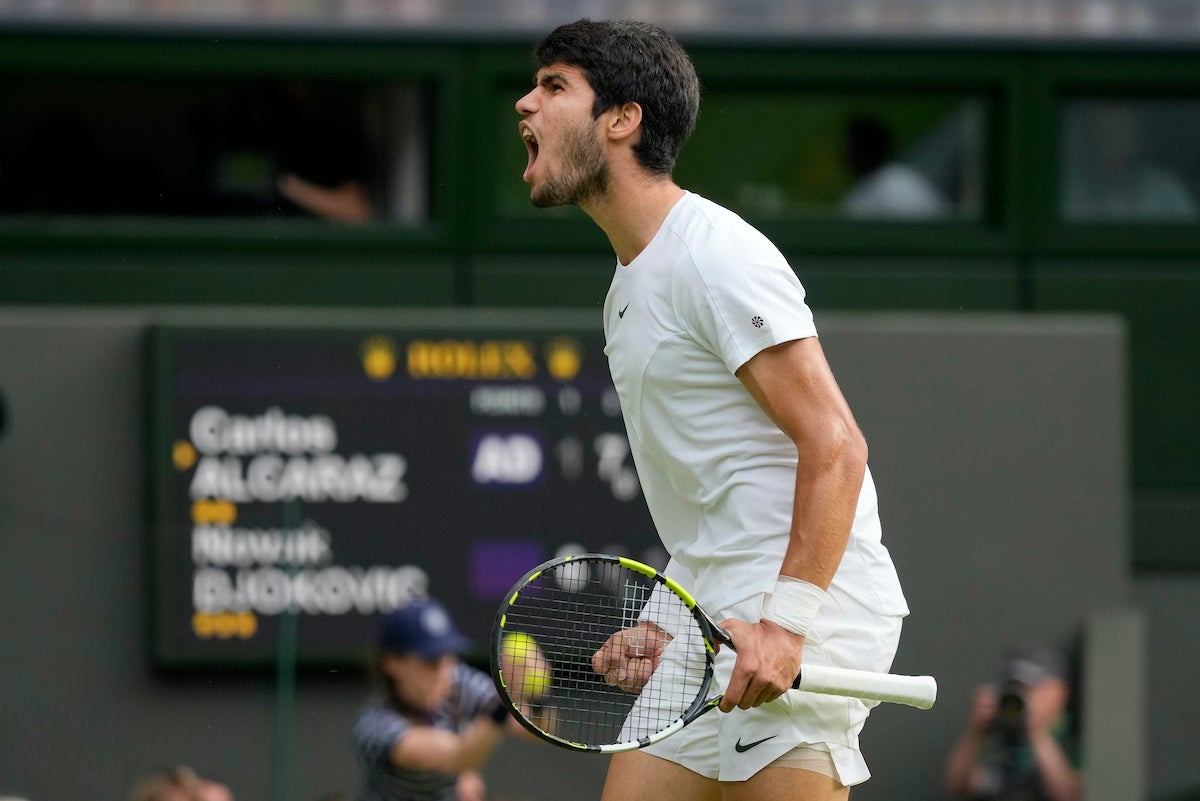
x: 557, y: 618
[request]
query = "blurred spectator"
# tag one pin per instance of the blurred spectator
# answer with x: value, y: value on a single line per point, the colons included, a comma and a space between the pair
x: 885, y: 188
x: 437, y: 720
x: 1018, y: 744
x: 320, y: 166
x: 179, y: 784
x: 81, y: 146
x: 276, y: 148
x: 1109, y: 175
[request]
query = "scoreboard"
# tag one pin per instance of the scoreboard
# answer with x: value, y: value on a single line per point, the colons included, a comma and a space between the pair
x: 331, y: 474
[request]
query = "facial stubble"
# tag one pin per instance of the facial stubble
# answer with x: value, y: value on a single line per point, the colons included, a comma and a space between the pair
x: 585, y: 173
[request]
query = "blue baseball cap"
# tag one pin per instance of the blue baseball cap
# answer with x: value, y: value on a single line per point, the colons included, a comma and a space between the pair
x: 422, y: 627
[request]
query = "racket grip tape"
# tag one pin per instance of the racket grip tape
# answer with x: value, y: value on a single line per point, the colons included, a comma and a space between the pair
x: 917, y: 691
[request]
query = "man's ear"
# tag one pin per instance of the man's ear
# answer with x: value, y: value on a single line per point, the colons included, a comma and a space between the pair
x: 624, y: 120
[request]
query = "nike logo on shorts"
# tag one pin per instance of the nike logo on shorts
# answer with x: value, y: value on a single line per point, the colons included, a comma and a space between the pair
x: 740, y: 748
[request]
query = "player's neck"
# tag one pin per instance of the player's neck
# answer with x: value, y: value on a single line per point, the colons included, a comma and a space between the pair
x: 632, y: 211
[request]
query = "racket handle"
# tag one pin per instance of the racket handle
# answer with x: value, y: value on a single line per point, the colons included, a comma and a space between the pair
x: 918, y: 691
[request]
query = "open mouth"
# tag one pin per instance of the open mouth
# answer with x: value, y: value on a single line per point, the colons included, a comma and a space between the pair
x: 531, y: 145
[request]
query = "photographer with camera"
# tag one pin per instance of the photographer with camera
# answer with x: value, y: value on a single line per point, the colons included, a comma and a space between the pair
x: 1017, y: 745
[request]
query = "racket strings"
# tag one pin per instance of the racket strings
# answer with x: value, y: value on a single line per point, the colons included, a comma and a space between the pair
x: 643, y: 681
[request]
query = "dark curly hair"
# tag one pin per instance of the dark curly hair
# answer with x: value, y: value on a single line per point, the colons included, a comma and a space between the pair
x: 633, y: 62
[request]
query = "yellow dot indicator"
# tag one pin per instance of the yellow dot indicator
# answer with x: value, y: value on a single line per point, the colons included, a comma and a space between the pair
x: 202, y: 625
x: 224, y: 625
x: 183, y: 455
x: 564, y: 357
x: 378, y: 355
x: 214, y: 512
x: 247, y: 625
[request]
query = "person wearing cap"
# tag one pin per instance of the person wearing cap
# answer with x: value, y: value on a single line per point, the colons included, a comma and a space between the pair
x: 437, y: 719
x: 1017, y: 744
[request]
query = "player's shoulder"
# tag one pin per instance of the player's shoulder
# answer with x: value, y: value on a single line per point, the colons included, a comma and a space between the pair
x: 717, y: 237
x: 472, y: 680
x: 696, y: 215
x: 465, y: 672
x: 378, y: 719
x: 376, y: 708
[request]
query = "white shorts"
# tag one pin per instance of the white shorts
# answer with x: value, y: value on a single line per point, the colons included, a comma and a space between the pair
x: 734, y: 746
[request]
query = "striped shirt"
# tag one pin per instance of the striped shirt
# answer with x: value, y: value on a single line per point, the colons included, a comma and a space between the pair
x: 379, y: 727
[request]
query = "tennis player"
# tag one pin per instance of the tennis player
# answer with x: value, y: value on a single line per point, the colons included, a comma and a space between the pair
x: 425, y: 737
x: 753, y: 467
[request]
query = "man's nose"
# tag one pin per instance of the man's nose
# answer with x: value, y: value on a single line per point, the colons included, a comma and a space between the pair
x: 525, y: 106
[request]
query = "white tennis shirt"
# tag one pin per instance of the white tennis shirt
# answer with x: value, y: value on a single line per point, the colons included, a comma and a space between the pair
x: 707, y: 294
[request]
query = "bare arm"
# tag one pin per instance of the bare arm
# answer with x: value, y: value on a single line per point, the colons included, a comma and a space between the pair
x: 793, y: 384
x: 429, y: 748
x: 1060, y: 780
x: 471, y: 787
x: 1045, y: 703
x: 347, y: 202
x: 959, y: 778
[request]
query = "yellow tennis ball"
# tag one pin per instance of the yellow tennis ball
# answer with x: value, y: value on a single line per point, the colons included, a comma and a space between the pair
x: 517, y: 642
x: 527, y: 670
x: 536, y: 682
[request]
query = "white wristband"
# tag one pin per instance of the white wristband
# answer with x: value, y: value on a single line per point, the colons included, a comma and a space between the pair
x: 793, y: 605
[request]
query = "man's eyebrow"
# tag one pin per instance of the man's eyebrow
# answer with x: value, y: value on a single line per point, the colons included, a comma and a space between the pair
x: 551, y: 77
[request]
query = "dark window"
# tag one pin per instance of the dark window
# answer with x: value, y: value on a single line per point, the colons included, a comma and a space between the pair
x: 214, y: 148
x: 1130, y: 160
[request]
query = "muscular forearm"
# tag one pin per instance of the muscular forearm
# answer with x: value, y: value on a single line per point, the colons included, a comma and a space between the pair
x: 794, y: 386
x: 828, y: 482
x: 448, y: 752
x: 478, y: 742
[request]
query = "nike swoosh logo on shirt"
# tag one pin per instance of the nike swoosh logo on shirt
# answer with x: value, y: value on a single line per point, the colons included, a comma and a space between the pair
x: 740, y: 748
x: 621, y: 313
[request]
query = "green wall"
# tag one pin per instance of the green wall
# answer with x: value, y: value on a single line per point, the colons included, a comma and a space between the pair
x: 484, y: 246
